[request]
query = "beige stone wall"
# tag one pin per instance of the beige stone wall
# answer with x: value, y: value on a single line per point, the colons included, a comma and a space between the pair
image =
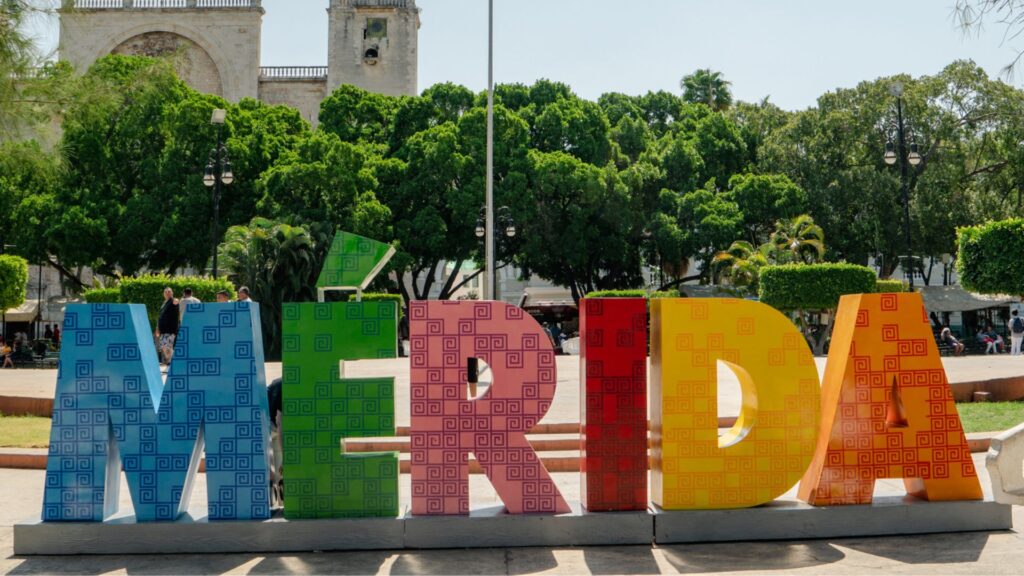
x: 303, y: 95
x: 229, y: 37
x: 395, y: 70
x: 193, y: 64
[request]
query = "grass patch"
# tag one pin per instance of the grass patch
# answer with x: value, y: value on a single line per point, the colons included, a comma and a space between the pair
x: 24, y: 432
x: 990, y: 416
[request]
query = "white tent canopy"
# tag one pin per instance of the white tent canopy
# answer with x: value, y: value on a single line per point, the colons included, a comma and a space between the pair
x: 27, y: 312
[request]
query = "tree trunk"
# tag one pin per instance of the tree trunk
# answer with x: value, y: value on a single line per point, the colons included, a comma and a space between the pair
x: 66, y: 273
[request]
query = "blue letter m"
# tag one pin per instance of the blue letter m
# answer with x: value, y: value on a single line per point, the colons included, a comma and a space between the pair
x: 113, y: 410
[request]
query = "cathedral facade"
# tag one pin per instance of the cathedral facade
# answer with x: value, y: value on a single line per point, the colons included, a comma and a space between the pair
x: 215, y: 45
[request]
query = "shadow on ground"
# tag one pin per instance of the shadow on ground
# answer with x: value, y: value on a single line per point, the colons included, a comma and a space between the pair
x: 932, y: 549
x: 756, y: 556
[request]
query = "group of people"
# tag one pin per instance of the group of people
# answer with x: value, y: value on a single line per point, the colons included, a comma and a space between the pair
x: 994, y: 342
x: 173, y: 310
x: 21, y: 346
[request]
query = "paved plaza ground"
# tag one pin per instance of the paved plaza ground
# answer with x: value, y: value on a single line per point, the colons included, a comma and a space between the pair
x: 42, y: 383
x: 972, y: 553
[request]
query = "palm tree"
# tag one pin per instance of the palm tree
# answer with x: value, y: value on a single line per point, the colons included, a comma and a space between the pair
x: 278, y: 263
x: 706, y: 86
x: 799, y: 240
x: 740, y: 265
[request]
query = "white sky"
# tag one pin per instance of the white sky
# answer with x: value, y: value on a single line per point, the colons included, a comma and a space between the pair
x: 790, y: 50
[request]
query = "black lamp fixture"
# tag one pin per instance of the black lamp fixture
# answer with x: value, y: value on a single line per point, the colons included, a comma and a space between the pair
x: 908, y: 156
x: 218, y: 171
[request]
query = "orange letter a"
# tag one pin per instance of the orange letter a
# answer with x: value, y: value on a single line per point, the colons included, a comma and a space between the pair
x: 887, y: 409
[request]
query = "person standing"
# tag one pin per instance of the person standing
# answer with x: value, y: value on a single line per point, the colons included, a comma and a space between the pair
x: 56, y: 336
x: 187, y: 299
x: 223, y: 297
x: 243, y: 294
x: 48, y: 333
x: 167, y: 324
x: 1016, y: 332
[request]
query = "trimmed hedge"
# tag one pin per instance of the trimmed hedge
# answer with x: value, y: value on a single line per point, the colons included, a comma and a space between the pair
x: 13, y: 281
x: 890, y: 286
x: 102, y: 296
x: 375, y: 297
x: 149, y: 290
x: 813, y: 286
x: 990, y: 254
x: 632, y: 294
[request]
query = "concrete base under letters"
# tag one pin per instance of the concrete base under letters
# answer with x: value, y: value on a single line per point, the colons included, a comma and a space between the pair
x: 793, y: 520
x: 192, y: 536
x: 492, y: 527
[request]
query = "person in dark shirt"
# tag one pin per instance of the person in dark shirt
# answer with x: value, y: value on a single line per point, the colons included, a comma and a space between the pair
x: 167, y: 325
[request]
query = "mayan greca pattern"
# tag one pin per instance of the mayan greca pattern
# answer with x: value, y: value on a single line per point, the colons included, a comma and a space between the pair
x: 883, y: 344
x: 352, y: 261
x: 321, y: 409
x: 613, y: 404
x: 113, y: 408
x: 769, y: 449
x: 447, y: 426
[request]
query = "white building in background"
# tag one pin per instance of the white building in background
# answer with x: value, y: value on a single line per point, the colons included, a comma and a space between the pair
x: 373, y: 44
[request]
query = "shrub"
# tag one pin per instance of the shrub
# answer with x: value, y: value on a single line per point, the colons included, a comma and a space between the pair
x: 13, y: 281
x: 989, y: 260
x: 813, y: 286
x: 372, y: 297
x: 103, y: 296
x: 149, y: 290
x: 890, y: 286
x: 632, y: 294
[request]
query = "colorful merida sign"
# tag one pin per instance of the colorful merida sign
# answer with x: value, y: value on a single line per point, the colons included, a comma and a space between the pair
x: 885, y: 409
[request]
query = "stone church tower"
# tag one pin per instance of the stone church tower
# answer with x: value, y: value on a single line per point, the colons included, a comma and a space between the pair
x: 374, y: 45
x: 216, y: 45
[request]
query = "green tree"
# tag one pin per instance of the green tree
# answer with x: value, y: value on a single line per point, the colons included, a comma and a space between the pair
x: 27, y: 90
x: 765, y: 199
x: 13, y: 281
x: 740, y: 265
x: 710, y: 222
x: 968, y: 130
x: 987, y: 262
x: 356, y: 115
x: 132, y: 196
x: 326, y: 180
x: 705, y: 86
x: 577, y: 226
x: 798, y: 240
x: 574, y: 126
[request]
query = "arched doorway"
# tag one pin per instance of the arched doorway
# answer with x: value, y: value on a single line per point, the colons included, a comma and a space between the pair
x: 193, y: 64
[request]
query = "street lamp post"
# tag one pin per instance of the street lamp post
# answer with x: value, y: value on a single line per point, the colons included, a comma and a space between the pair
x: 489, y: 283
x: 907, y: 157
x: 505, y: 220
x: 218, y: 171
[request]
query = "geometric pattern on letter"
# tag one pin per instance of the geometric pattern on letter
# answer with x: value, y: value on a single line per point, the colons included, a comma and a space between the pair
x: 112, y: 409
x: 882, y: 343
x: 613, y: 404
x: 447, y: 426
x: 322, y: 408
x: 773, y: 441
x: 353, y: 261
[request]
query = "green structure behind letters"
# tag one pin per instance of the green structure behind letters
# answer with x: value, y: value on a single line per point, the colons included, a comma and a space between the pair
x: 322, y: 408
x: 353, y: 262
